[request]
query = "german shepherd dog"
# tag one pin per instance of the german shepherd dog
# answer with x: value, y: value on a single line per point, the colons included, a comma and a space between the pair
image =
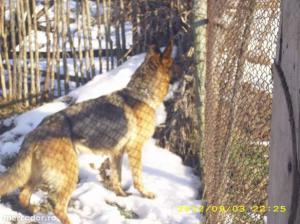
x: 112, y: 125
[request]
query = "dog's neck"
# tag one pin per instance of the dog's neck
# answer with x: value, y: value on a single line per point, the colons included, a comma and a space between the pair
x: 149, y: 84
x: 145, y: 95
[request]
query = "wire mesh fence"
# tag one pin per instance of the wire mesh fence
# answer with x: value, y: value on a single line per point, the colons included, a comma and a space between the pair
x: 242, y: 38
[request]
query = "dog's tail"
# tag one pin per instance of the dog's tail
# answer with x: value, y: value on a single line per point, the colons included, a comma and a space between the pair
x: 18, y: 174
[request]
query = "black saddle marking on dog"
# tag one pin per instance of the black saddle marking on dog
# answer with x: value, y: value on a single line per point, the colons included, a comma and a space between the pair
x: 97, y: 123
x: 53, y: 126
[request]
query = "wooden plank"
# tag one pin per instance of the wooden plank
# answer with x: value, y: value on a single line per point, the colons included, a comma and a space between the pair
x: 284, y: 156
x: 281, y: 180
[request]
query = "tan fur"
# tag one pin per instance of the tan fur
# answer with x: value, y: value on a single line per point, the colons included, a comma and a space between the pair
x: 48, y: 155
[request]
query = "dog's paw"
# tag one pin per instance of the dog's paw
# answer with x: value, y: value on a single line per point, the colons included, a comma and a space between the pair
x: 148, y: 194
x: 33, y: 209
x: 122, y: 193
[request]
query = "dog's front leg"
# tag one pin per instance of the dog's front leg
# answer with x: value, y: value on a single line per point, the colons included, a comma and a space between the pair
x: 116, y: 173
x: 119, y: 161
x: 135, y: 162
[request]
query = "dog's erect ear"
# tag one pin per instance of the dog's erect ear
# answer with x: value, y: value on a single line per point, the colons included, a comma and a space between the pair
x: 166, y: 56
x: 168, y: 51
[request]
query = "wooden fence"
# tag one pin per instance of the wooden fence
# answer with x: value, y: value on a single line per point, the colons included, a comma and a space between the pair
x: 49, y: 47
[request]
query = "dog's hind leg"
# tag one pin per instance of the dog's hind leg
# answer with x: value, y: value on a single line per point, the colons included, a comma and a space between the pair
x: 61, y: 205
x: 24, y: 198
x: 61, y: 176
x: 63, y: 193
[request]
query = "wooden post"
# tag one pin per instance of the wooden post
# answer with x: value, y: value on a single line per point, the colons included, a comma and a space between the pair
x: 200, y: 43
x: 284, y: 181
x: 134, y: 20
x: 30, y: 48
x: 73, y: 49
x: 64, y: 28
x: 57, y: 31
x: 23, y: 53
x: 107, y: 33
x: 2, y: 73
x: 12, y: 26
x: 99, y: 35
x: 47, y: 86
x: 36, y: 52
x: 79, y: 43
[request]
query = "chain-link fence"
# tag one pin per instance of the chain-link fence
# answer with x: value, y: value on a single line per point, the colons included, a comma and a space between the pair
x: 242, y: 36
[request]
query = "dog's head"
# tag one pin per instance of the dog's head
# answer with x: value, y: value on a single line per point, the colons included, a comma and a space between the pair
x: 164, y: 58
x: 162, y: 61
x: 152, y: 79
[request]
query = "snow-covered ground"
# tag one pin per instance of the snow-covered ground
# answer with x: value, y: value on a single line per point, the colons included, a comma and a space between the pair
x: 163, y: 172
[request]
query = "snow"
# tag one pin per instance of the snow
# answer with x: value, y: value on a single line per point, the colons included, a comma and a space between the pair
x: 78, y: 39
x: 163, y: 172
x: 71, y: 64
